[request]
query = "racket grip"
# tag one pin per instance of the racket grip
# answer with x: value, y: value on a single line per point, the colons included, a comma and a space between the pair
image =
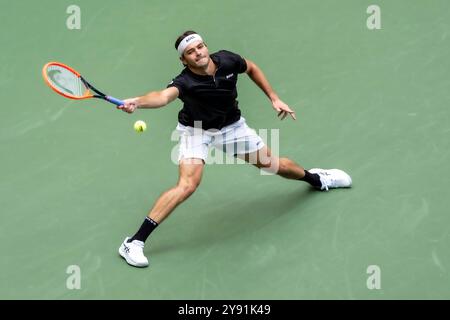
x: 117, y: 102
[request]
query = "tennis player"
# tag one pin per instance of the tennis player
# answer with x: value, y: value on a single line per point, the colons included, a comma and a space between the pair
x: 211, y: 117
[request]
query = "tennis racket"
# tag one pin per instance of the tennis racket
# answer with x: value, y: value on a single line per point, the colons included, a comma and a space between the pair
x: 69, y: 83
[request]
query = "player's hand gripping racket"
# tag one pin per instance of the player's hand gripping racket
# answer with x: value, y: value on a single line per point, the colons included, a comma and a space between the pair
x: 70, y: 84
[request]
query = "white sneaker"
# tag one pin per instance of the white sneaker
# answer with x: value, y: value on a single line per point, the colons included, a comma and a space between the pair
x: 333, y: 178
x: 133, y: 252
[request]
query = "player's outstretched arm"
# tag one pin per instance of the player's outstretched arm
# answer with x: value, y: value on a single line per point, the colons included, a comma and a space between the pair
x: 155, y: 99
x: 258, y: 77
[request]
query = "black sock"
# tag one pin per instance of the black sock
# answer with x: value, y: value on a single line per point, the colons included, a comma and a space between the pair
x: 144, y: 231
x: 312, y: 178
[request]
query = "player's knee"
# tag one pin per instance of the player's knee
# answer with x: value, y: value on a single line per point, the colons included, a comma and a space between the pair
x: 264, y: 163
x: 269, y: 165
x: 283, y: 164
x: 188, y: 187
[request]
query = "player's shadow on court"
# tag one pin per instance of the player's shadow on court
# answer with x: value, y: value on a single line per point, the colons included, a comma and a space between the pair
x: 229, y: 222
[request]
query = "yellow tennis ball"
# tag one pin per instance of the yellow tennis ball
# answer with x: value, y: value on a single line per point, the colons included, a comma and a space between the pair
x: 140, y: 126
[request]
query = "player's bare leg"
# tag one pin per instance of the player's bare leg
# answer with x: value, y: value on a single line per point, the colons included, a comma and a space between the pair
x: 190, y: 174
x: 283, y: 167
x: 319, y: 178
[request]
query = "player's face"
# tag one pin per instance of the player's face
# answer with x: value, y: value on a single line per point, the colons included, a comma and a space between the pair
x: 196, y: 55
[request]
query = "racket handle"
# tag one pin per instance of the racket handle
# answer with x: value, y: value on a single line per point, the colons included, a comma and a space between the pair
x: 117, y: 102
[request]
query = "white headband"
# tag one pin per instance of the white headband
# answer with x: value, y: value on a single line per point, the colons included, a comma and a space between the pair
x: 187, y: 41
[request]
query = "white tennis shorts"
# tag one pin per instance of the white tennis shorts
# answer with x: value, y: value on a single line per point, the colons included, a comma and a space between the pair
x: 234, y: 139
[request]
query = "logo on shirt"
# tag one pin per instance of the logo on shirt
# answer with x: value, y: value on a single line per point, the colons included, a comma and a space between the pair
x: 229, y: 75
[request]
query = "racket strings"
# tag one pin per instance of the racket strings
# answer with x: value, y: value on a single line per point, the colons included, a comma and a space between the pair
x: 66, y: 81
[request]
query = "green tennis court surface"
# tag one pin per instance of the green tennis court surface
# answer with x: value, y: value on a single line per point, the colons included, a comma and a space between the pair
x: 76, y: 178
